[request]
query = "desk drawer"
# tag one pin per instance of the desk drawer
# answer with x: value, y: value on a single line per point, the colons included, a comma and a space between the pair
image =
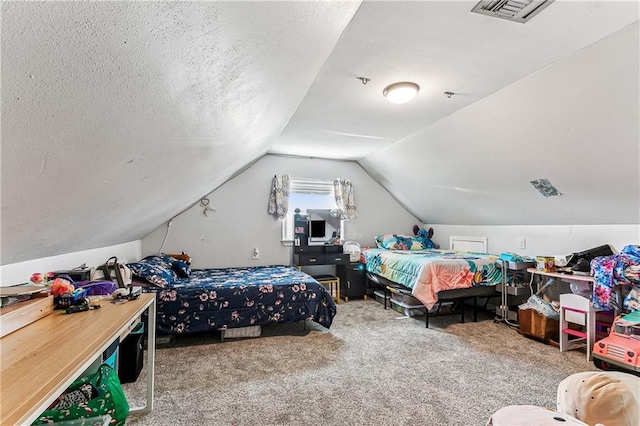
x: 308, y: 249
x: 336, y: 259
x: 333, y: 249
x: 309, y: 259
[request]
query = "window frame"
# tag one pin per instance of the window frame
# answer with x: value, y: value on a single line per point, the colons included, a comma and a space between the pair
x: 308, y: 187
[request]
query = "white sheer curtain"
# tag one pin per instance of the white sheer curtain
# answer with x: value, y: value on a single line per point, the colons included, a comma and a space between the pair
x: 344, y: 198
x: 279, y: 197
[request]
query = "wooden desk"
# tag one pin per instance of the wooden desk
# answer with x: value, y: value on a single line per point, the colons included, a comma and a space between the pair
x: 619, y: 293
x: 39, y: 361
x: 566, y: 277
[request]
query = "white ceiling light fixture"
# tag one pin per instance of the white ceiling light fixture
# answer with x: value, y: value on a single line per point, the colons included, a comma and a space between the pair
x: 401, y: 92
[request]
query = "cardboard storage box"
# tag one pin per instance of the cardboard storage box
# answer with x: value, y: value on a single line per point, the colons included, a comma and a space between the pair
x: 545, y: 263
x: 534, y: 324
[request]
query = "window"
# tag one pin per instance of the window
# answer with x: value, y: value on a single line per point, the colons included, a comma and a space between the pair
x: 308, y: 194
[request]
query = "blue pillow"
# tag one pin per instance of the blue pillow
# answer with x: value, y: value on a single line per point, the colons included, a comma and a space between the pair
x: 154, y: 270
x: 159, y: 259
x: 182, y: 269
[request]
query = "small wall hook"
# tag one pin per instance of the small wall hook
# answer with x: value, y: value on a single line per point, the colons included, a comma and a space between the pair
x: 364, y: 80
x: 449, y: 94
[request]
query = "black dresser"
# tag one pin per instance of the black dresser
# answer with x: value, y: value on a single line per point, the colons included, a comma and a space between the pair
x: 353, y: 283
x: 323, y: 255
x: 326, y: 254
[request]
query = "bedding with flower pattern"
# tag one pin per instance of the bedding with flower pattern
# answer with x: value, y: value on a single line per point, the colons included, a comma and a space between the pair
x: 223, y: 298
x: 156, y: 269
x: 427, y: 272
x: 618, y: 273
x: 403, y: 242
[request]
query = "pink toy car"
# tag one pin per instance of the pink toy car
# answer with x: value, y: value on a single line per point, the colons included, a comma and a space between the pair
x: 621, y: 348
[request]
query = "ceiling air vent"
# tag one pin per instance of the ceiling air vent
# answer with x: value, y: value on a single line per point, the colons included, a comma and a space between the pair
x: 512, y: 10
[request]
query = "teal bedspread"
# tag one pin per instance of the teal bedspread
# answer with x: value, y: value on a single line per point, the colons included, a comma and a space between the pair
x: 427, y: 272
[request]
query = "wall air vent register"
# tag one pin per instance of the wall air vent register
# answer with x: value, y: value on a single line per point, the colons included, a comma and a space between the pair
x: 512, y: 10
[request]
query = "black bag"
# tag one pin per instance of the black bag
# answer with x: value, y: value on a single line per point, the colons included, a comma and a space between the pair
x: 589, y: 255
x: 580, y: 263
x: 116, y: 271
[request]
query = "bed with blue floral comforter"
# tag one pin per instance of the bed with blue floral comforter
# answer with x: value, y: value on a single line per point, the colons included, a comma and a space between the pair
x: 224, y: 298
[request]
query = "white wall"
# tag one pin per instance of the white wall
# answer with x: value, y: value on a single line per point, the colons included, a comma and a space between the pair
x: 542, y: 240
x: 227, y: 236
x: 18, y: 273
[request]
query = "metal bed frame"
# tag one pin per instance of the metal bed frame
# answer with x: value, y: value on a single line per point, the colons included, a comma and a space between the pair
x: 458, y: 296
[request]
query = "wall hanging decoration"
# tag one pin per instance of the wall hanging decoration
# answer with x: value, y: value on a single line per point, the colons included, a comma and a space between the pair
x: 204, y: 203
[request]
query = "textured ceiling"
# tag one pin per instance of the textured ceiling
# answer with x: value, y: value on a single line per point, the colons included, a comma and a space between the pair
x: 117, y: 115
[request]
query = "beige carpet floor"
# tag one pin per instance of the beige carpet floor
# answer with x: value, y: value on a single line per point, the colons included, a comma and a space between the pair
x: 373, y: 367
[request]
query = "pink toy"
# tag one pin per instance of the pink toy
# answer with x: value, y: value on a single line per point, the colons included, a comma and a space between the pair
x: 621, y: 348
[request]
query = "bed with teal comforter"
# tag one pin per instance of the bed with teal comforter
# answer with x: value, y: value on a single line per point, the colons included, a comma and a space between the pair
x: 431, y: 271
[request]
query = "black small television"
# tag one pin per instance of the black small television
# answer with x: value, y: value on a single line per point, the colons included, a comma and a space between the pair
x: 317, y: 229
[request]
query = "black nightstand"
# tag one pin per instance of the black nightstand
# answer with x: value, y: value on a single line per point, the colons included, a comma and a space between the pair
x: 353, y: 281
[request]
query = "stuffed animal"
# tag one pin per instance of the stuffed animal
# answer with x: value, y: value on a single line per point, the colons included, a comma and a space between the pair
x: 182, y: 256
x: 419, y: 232
x: 425, y: 236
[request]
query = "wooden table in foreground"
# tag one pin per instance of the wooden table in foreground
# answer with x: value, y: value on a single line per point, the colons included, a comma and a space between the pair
x: 39, y: 361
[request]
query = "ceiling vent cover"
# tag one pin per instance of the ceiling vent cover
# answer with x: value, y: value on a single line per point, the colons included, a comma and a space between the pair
x: 512, y: 10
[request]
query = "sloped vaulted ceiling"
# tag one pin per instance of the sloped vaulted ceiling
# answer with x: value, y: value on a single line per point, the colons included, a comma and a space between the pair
x: 576, y: 123
x: 555, y: 98
x: 118, y: 115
